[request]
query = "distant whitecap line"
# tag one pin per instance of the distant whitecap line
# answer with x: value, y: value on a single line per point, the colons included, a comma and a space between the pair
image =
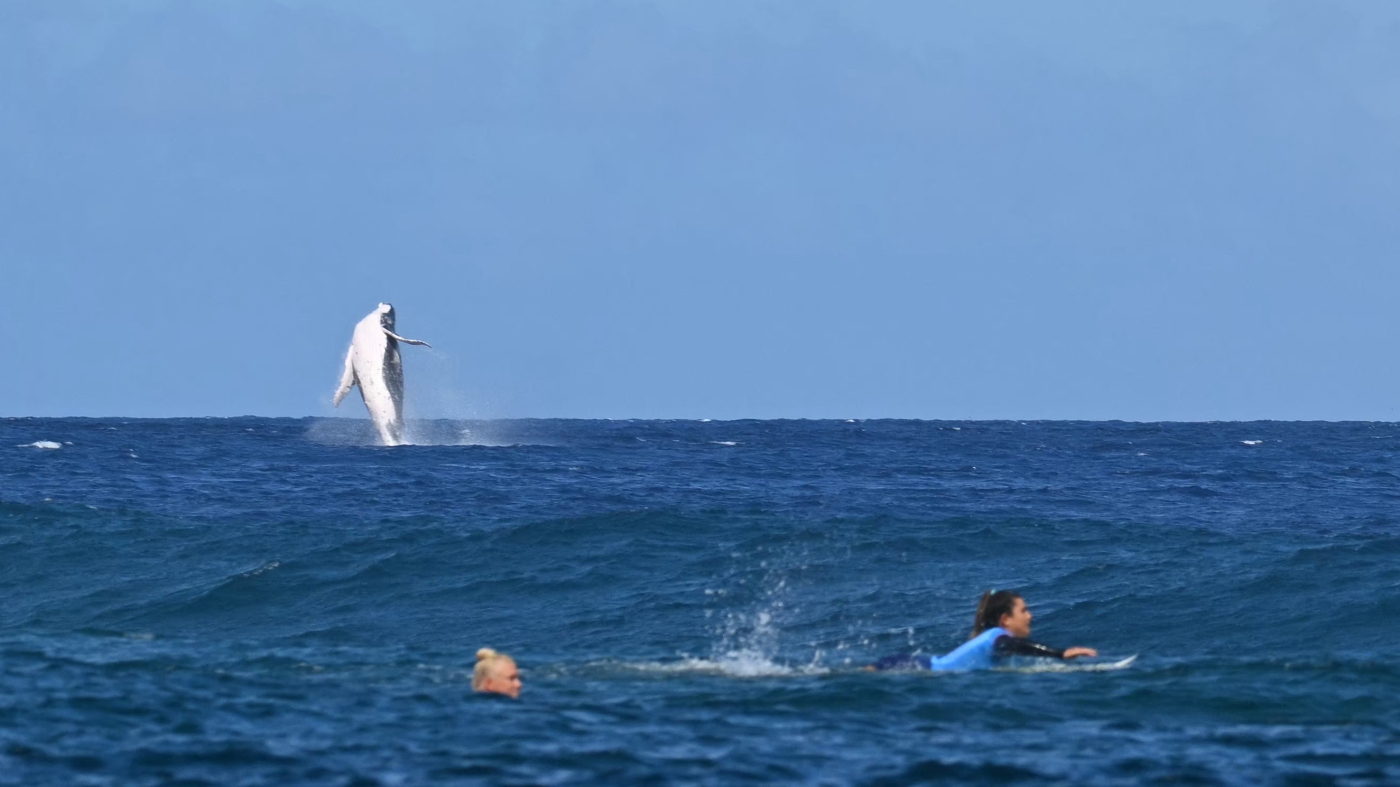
x: 723, y: 442
x: 47, y: 445
x: 360, y: 432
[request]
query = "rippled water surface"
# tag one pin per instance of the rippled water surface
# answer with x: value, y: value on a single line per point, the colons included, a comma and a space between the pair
x: 263, y: 601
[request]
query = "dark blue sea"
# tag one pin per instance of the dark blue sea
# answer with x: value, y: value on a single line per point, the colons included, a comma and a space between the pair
x: 278, y: 602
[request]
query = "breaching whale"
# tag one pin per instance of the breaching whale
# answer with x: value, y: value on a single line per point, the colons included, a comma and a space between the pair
x: 373, y: 363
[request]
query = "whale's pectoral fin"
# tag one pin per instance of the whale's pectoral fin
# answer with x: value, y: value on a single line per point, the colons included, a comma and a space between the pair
x: 347, y: 377
x: 397, y: 337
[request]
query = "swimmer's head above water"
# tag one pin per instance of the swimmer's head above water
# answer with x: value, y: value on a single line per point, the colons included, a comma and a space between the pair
x: 496, y: 673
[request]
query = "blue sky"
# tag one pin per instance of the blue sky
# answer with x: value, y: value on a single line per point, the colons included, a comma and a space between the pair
x: 770, y: 208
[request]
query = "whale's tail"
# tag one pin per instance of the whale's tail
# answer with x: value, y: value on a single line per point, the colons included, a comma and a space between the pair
x: 347, y: 377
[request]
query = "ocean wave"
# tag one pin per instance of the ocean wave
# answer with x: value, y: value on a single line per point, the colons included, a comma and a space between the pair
x: 707, y: 613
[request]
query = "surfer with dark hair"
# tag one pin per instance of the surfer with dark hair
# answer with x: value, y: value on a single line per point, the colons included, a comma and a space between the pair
x: 1001, y: 629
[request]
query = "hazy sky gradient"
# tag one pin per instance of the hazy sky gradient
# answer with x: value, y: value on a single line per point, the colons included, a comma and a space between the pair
x: 658, y: 208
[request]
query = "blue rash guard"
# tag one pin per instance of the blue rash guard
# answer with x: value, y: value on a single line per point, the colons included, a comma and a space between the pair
x: 981, y: 652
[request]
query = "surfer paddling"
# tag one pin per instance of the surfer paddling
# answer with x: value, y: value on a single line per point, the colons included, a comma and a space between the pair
x: 1001, y: 629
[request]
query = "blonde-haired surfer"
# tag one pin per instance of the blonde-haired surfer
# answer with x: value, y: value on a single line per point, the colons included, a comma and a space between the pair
x: 496, y: 673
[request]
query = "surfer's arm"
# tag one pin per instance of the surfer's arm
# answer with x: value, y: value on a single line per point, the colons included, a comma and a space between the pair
x: 1017, y: 646
x: 347, y: 377
x: 397, y: 337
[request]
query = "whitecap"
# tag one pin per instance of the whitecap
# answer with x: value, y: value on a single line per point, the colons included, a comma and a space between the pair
x: 1252, y: 442
x: 263, y: 569
x: 738, y: 664
x: 45, y: 444
x: 723, y: 442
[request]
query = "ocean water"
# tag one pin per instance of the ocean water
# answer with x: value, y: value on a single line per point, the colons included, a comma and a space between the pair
x: 276, y: 601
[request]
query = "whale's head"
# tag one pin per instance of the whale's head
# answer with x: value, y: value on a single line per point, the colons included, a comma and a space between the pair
x: 386, y: 315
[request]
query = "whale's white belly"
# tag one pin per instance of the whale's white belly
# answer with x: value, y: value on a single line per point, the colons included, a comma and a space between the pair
x: 379, y: 372
x: 373, y: 364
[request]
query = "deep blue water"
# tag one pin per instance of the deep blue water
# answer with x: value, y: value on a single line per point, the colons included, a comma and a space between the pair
x: 265, y: 601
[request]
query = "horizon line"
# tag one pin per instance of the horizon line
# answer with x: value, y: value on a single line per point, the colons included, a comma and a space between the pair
x: 835, y: 419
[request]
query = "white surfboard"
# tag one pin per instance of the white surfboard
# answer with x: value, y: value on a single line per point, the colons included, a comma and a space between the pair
x: 1071, y: 666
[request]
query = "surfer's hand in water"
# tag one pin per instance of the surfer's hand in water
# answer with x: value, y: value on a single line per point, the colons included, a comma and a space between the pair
x: 1074, y: 653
